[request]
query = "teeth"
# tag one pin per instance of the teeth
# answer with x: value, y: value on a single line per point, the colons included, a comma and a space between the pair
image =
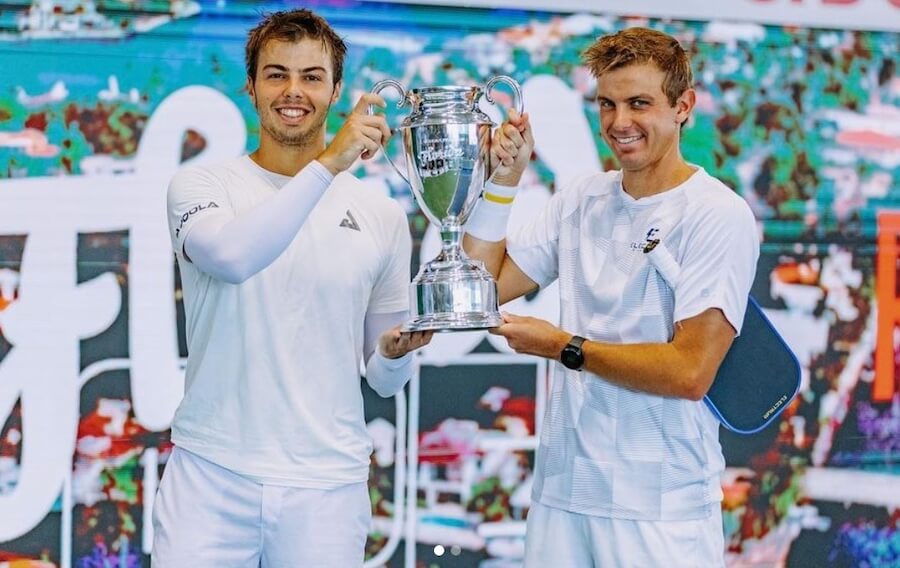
x: 628, y: 140
x: 292, y: 112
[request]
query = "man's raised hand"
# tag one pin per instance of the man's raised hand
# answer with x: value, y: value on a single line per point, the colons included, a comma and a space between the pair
x: 361, y: 136
x: 511, y: 149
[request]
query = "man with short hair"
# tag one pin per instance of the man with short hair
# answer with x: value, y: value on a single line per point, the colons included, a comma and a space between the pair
x: 655, y: 262
x: 292, y: 270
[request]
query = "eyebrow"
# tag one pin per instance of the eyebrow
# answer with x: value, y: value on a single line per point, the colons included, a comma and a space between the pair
x: 629, y: 99
x: 304, y: 70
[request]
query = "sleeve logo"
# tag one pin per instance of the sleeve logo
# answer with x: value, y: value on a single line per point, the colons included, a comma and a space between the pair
x: 193, y: 211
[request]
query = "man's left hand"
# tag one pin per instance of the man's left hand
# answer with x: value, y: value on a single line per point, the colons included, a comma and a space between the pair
x: 395, y: 343
x: 532, y: 336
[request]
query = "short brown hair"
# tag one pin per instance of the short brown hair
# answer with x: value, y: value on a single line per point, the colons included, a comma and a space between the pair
x: 292, y: 26
x: 636, y: 46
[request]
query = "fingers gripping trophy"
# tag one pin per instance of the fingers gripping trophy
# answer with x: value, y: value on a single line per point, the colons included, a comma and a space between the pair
x: 446, y: 141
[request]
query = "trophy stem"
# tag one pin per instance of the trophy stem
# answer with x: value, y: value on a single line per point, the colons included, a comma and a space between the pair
x: 451, y: 235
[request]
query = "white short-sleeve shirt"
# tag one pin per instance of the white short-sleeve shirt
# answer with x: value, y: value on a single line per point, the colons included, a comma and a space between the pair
x: 272, y: 385
x: 607, y: 450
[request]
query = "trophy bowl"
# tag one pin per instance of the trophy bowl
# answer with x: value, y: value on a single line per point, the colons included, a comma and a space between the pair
x: 446, y: 142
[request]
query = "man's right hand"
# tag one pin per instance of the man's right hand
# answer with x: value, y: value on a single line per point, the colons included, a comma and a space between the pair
x: 361, y: 135
x: 511, y: 149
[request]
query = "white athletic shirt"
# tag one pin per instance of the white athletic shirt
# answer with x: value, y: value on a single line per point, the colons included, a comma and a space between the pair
x: 607, y: 450
x: 272, y: 386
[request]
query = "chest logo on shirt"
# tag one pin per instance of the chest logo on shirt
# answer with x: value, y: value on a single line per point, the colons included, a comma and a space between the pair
x: 350, y: 222
x: 649, y: 243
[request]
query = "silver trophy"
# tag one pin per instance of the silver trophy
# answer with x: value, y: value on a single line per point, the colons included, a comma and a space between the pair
x: 446, y: 141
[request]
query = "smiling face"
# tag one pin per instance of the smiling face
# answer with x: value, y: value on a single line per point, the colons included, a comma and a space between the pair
x: 293, y: 91
x: 637, y: 121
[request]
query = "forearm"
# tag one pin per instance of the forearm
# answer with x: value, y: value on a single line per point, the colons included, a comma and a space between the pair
x: 235, y: 249
x: 485, y: 240
x: 656, y: 368
x: 683, y: 367
x: 388, y: 376
x: 490, y: 253
x: 485, y: 237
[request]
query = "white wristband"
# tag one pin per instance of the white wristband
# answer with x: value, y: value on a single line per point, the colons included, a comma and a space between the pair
x: 489, y: 219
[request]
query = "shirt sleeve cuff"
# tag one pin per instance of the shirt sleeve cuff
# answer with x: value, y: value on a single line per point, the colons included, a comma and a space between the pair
x: 320, y: 171
x: 393, y: 364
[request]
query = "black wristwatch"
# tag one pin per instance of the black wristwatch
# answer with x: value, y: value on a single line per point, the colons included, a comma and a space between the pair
x: 572, y: 355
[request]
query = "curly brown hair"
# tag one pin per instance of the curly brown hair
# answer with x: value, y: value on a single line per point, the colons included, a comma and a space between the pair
x: 636, y: 46
x: 292, y: 26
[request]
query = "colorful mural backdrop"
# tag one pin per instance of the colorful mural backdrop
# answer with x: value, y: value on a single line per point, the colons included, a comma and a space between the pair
x: 100, y: 102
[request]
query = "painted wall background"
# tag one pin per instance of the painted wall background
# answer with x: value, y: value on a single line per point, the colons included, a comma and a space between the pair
x: 101, y: 101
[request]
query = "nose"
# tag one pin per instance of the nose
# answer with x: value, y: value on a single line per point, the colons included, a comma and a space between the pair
x: 621, y: 118
x: 293, y: 88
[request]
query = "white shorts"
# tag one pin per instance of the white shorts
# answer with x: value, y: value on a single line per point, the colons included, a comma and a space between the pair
x: 562, y: 539
x: 206, y: 516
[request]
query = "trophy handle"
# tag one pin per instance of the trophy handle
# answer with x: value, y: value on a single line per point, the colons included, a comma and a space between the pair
x: 380, y: 86
x: 518, y: 104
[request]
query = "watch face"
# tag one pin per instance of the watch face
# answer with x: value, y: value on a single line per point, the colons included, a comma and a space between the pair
x: 572, y: 357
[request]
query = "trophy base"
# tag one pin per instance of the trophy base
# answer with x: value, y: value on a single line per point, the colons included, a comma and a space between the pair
x: 453, y: 322
x: 458, y: 295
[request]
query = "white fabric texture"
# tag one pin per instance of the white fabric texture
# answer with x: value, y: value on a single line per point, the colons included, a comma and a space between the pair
x: 206, y: 516
x: 272, y: 382
x: 607, y: 450
x: 564, y: 540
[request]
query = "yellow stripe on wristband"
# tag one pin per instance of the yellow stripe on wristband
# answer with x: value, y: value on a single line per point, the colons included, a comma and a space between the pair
x: 501, y: 199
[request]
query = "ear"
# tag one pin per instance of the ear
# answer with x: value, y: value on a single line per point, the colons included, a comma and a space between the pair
x: 337, y: 91
x: 684, y: 105
x: 250, y: 90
